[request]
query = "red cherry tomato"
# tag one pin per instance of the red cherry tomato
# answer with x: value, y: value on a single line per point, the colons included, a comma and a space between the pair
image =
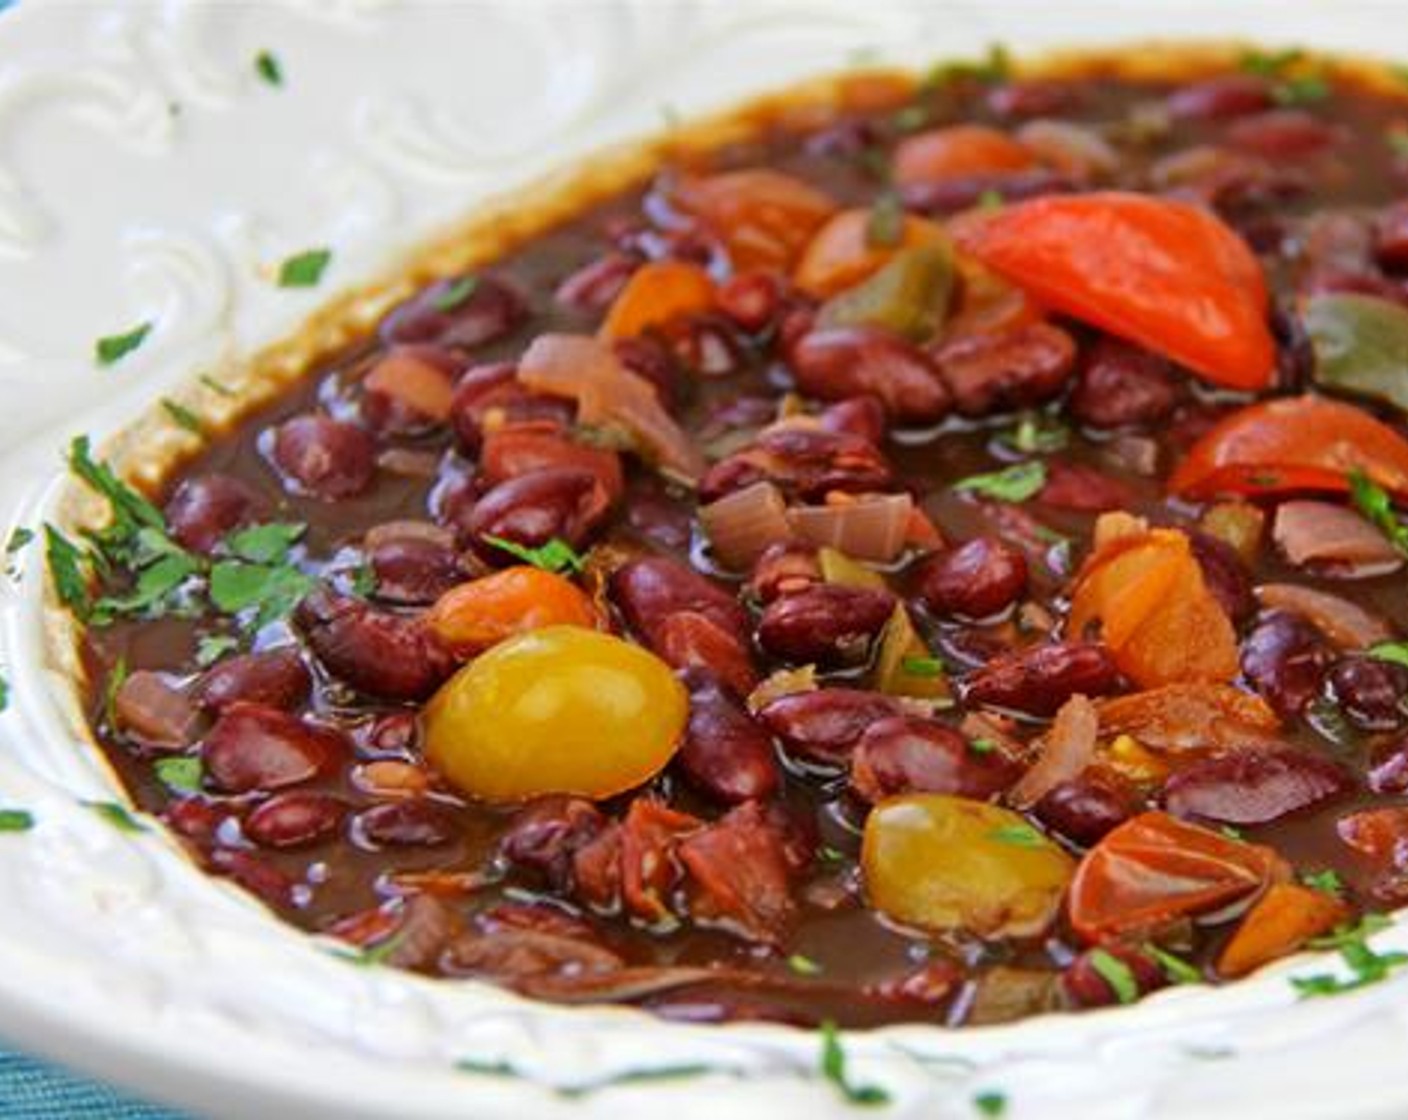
x: 1168, y: 275
x: 1292, y: 444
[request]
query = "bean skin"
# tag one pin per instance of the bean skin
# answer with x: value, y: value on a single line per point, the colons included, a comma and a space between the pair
x: 1040, y: 679
x: 978, y: 579
x: 726, y: 754
x: 276, y: 677
x: 207, y: 506
x: 825, y: 725
x: 554, y: 503
x: 255, y: 747
x: 836, y: 364
x: 908, y: 754
x: 1019, y: 368
x: 323, y: 457
x: 294, y: 820
x: 825, y: 624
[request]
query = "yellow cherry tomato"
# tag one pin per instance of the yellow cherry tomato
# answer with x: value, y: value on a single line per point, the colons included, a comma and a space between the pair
x: 556, y: 710
x: 951, y: 863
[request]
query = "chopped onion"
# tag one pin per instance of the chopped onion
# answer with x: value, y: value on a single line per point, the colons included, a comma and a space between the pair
x: 1321, y: 533
x: 741, y: 525
x: 1065, y: 751
x: 870, y: 528
x: 407, y: 375
x: 1348, y: 626
x: 609, y: 395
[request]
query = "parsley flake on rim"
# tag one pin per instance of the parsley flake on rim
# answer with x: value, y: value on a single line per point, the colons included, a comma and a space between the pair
x: 833, y: 1069
x: 268, y: 67
x: 114, y: 347
x: 1012, y: 484
x: 1366, y: 964
x: 183, y: 416
x: 456, y: 294
x: 119, y: 816
x: 556, y: 556
x: 304, y: 270
x: 16, y: 820
x: 990, y: 1102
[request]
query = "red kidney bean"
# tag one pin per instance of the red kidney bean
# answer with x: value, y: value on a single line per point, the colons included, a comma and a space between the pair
x: 276, y: 677
x: 1086, y: 987
x: 726, y: 754
x: 392, y: 733
x: 1119, y: 384
x: 544, y: 836
x: 751, y: 299
x: 826, y: 624
x: 1391, y: 236
x: 518, y: 449
x: 386, y: 413
x: 708, y: 346
x: 845, y: 139
x: 783, y: 569
x: 594, y: 287
x: 1285, y: 659
x: 907, y: 754
x: 858, y: 416
x: 690, y: 640
x: 837, y: 363
x: 323, y: 457
x: 555, y: 503
x: 1035, y: 98
x: 649, y: 590
x: 1086, y: 807
x: 1220, y: 98
x: 1019, y: 368
x: 207, y: 506
x: 947, y: 196
x: 293, y: 820
x: 489, y: 311
x: 414, y: 570
x: 1282, y: 133
x: 1370, y: 692
x: 809, y: 462
x: 1388, y: 768
x: 411, y: 822
x: 648, y: 356
x: 978, y: 579
x: 261, y: 879
x: 1040, y: 679
x: 256, y: 747
x: 155, y: 712
x: 489, y: 397
x: 657, y: 517
x: 1225, y: 575
x: 1076, y: 486
x: 197, y: 819
x: 825, y: 725
x: 374, y: 652
x: 1253, y: 786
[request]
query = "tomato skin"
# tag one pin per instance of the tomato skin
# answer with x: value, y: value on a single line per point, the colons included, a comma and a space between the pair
x: 655, y: 294
x: 956, y: 152
x: 1167, y: 275
x: 840, y: 254
x: 1155, y: 868
x: 1292, y: 444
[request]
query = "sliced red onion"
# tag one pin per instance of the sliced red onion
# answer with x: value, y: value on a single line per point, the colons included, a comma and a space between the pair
x: 870, y: 528
x: 741, y: 525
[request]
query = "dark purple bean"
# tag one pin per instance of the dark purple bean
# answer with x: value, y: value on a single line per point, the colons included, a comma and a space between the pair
x: 1225, y: 575
x: 1370, y: 692
x: 395, y: 733
x: 1121, y: 384
x: 648, y: 591
x: 908, y: 754
x: 1085, y: 986
x: 1084, y: 808
x: 784, y: 569
x: 1253, y: 786
x: 726, y: 754
x: 1019, y: 368
x: 490, y: 394
x: 155, y: 711
x: 708, y: 346
x: 323, y: 457
x: 293, y: 820
x: 490, y: 310
x: 839, y: 363
x: 845, y: 139
x: 977, y: 579
x: 261, y: 879
x: 554, y: 503
x: 656, y: 516
x: 1285, y: 659
x: 650, y: 357
x: 1040, y: 679
x: 1391, y: 237
x: 750, y: 299
x: 414, y: 569
x: 858, y: 416
x: 255, y: 747
x: 1035, y: 98
x: 807, y: 462
x: 1220, y: 98
x: 593, y: 287
x: 409, y: 823
x: 827, y: 624
x: 375, y: 652
x: 545, y: 834
x: 1282, y: 133
x: 207, y: 506
x: 276, y: 677
x: 825, y: 725
x: 1388, y: 771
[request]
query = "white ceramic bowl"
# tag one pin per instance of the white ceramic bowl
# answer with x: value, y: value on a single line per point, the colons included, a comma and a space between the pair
x: 146, y: 172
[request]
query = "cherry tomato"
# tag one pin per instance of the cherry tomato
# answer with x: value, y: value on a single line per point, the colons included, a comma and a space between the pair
x: 1289, y: 444
x: 763, y: 216
x: 655, y: 294
x: 1283, y: 920
x: 958, y: 152
x: 842, y: 253
x: 557, y: 710
x: 483, y: 612
x: 1167, y: 275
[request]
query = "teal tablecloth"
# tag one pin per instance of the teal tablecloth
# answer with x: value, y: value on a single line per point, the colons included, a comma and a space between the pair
x: 34, y: 1090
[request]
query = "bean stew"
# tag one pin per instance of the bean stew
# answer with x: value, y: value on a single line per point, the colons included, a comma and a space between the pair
x: 938, y: 559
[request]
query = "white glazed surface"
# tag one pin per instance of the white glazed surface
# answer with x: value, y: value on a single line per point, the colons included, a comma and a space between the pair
x: 147, y: 173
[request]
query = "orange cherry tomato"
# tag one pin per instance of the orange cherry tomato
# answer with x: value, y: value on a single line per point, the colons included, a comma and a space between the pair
x: 1282, y: 921
x: 764, y: 217
x: 655, y: 294
x: 1154, y: 869
x: 1167, y: 275
x: 956, y: 152
x: 1289, y: 444
x: 483, y: 612
x: 841, y: 254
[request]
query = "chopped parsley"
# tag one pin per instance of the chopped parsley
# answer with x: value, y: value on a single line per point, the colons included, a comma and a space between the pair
x: 990, y: 199
x: 885, y: 225
x: 215, y: 386
x: 66, y: 566
x: 183, y: 416
x: 833, y: 1069
x: 1036, y: 434
x: 269, y: 543
x: 990, y: 1102
x: 212, y: 647
x: 182, y: 774
x: 18, y: 539
x: 1397, y: 652
x: 917, y: 666
x: 114, y: 347
x: 1018, y: 835
x: 1270, y: 64
x: 16, y: 820
x: 271, y: 591
x: 556, y: 556
x: 4, y: 693
x: 1231, y: 833
x: 1016, y: 483
x: 1373, y: 502
x: 456, y: 293
x: 304, y: 270
x: 1367, y: 965
x: 268, y: 67
x: 803, y: 965
x: 825, y: 853
x: 364, y: 581
x: 995, y: 67
x: 375, y: 955
x: 1327, y: 880
x: 1115, y: 973
x: 982, y: 745
x: 116, y: 815
x: 1175, y: 968
x: 1303, y: 89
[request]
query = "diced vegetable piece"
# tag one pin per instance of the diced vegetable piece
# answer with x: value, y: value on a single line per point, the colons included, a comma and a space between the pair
x: 1292, y: 443
x: 905, y: 666
x: 873, y: 527
x: 1065, y: 751
x: 1321, y: 533
x: 837, y: 567
x: 740, y: 526
x: 949, y: 863
x: 958, y: 152
x: 1360, y: 343
x: 1282, y: 921
x: 483, y: 612
x: 557, y: 710
x: 764, y: 217
x: 844, y: 252
x: 1167, y: 275
x: 1348, y: 625
x: 909, y: 295
x: 656, y: 294
x: 1154, y: 869
x: 1194, y: 716
x: 1237, y: 524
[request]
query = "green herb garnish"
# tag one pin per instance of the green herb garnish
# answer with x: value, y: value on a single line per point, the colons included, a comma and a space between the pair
x: 304, y: 270
x: 1035, y: 434
x: 990, y: 199
x: 996, y: 67
x: 116, y: 815
x: 183, y: 416
x: 182, y: 774
x: 364, y: 581
x: 990, y: 1103
x: 885, y: 225
x: 18, y: 539
x: 269, y: 543
x: 910, y: 119
x: 1397, y: 652
x: 1115, y: 973
x: 456, y: 293
x: 211, y: 647
x: 1231, y: 833
x: 555, y: 556
x: 271, y: 591
x: 1367, y: 965
x: 982, y: 745
x: 1373, y: 501
x: 1175, y: 968
x: 215, y: 386
x: 1327, y: 880
x: 66, y: 564
x: 803, y: 965
x: 1016, y: 483
x: 833, y: 1069
x: 16, y: 820
x: 825, y: 853
x: 267, y: 66
x: 114, y: 347
x: 116, y: 679
x: 917, y: 666
x: 1303, y: 89
x: 1018, y: 835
